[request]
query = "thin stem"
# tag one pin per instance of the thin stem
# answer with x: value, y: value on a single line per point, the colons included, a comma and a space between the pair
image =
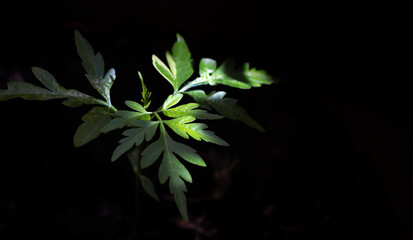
x: 135, y: 154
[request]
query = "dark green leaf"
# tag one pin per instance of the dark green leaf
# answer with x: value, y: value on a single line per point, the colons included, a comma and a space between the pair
x: 95, y: 67
x: 135, y: 106
x: 134, y: 137
x: 29, y: 91
x: 93, y: 122
x: 171, y: 168
x: 148, y: 186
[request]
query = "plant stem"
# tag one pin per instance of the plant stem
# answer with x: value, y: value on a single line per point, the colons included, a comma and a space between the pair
x: 135, y: 154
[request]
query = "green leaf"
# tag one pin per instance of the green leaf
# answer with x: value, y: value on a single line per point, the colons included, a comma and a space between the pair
x: 93, y: 122
x: 206, y: 67
x: 47, y: 79
x: 172, y: 100
x: 148, y: 186
x: 256, y: 77
x: 146, y: 95
x: 227, y: 74
x: 135, y: 106
x: 184, y: 128
x: 29, y: 91
x: 189, y: 110
x: 179, y: 62
x: 124, y: 118
x: 95, y: 66
x: 134, y: 137
x: 162, y: 69
x: 171, y: 168
x: 227, y: 107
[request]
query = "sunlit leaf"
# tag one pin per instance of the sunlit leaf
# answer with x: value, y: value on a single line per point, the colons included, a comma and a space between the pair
x: 184, y: 128
x: 179, y: 67
x: 227, y: 107
x: 172, y: 100
x: 162, y: 69
x: 190, y: 110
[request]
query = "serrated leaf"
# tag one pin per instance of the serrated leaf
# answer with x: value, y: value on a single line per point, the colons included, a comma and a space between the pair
x: 179, y: 62
x: 95, y: 67
x: 189, y: 110
x: 227, y: 107
x: 134, y: 137
x: 93, y: 122
x: 172, y: 100
x: 29, y: 91
x: 227, y: 74
x: 171, y: 168
x: 184, y: 128
x: 124, y: 118
x: 146, y: 95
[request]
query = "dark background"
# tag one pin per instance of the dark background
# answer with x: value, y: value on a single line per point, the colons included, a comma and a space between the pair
x: 335, y: 162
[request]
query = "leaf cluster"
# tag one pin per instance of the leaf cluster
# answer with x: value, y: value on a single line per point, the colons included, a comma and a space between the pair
x: 147, y: 134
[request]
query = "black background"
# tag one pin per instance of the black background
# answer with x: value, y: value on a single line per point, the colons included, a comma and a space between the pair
x: 335, y: 162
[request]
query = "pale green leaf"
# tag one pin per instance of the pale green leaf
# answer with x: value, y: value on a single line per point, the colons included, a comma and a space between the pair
x: 93, y: 122
x: 183, y: 127
x: 206, y: 67
x: 227, y: 107
x: 171, y: 64
x: 189, y: 110
x: 163, y: 69
x: 180, y: 64
x: 257, y: 77
x: 172, y: 100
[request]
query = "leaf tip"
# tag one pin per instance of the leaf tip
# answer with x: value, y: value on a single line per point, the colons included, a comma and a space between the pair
x: 179, y: 37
